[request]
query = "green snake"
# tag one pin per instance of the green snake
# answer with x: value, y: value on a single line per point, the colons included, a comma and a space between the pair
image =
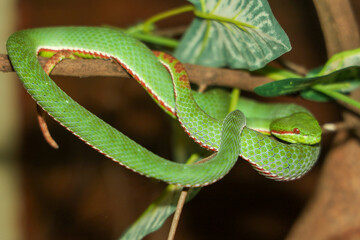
x: 203, y: 116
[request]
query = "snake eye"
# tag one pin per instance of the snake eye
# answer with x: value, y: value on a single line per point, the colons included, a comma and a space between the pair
x: 296, y: 131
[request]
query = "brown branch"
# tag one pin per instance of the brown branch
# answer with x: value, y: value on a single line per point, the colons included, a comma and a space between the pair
x: 333, y: 212
x: 199, y: 75
x: 292, y: 66
x: 5, y: 65
x: 339, y: 25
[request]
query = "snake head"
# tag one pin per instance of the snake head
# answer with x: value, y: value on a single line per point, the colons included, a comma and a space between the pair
x: 297, y: 128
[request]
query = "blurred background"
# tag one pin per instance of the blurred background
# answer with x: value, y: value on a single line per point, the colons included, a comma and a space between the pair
x: 76, y: 193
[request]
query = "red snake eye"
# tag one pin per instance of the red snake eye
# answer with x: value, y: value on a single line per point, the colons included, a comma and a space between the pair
x: 296, y: 131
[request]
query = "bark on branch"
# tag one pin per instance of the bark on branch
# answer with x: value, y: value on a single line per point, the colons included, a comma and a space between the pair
x: 339, y: 25
x: 198, y: 74
x: 333, y: 212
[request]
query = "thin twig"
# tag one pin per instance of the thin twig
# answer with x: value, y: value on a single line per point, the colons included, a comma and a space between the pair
x: 202, y: 88
x: 181, y: 203
x: 294, y: 67
x: 334, y: 127
x: 174, y: 31
x: 177, y: 214
x: 44, y: 128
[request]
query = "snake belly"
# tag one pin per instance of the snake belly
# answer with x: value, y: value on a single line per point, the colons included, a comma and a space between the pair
x: 270, y: 157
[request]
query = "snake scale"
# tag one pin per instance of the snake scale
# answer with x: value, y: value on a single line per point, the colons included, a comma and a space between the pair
x: 205, y: 120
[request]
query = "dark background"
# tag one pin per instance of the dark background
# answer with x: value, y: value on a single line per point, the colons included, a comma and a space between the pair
x: 76, y: 193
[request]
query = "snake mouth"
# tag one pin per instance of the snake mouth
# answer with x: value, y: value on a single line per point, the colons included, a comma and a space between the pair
x: 291, y: 138
x: 315, y: 140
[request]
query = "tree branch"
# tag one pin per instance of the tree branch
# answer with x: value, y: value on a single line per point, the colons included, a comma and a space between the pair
x: 200, y: 75
x: 333, y: 212
x: 339, y: 25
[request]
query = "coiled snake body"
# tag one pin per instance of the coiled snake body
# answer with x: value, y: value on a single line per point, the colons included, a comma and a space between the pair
x: 272, y: 158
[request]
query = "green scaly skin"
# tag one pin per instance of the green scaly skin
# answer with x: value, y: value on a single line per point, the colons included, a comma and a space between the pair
x: 272, y: 158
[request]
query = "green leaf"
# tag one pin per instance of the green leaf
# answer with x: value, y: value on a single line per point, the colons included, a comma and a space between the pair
x: 342, y: 60
x: 342, y: 87
x: 157, y: 213
x: 336, y: 62
x: 314, y: 95
x: 341, y: 73
x: 237, y: 34
x: 349, y: 75
x: 314, y: 72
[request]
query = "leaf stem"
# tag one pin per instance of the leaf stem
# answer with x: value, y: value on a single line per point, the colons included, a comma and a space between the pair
x: 337, y: 95
x: 276, y: 74
x: 158, y: 17
x: 150, y: 38
x: 143, y: 31
x: 211, y: 16
x: 234, y: 99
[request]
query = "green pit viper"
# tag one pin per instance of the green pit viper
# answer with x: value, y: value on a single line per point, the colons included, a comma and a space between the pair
x: 203, y: 115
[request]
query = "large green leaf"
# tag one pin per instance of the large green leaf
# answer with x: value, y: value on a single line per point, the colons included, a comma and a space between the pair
x: 244, y: 35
